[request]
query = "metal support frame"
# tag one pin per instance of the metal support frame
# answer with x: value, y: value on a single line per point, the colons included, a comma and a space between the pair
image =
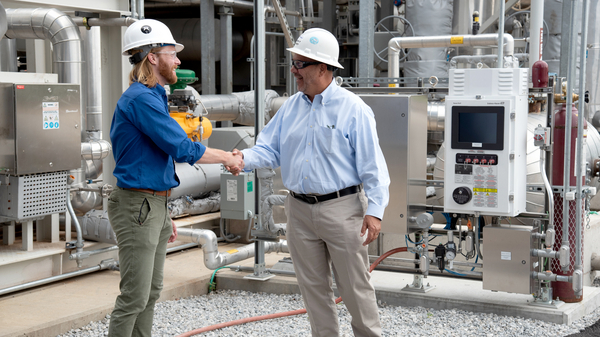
x: 418, y: 285
x: 207, y: 36
x: 365, y: 46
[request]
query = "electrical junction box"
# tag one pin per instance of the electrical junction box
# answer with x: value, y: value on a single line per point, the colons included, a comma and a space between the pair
x: 237, y: 195
x: 486, y: 142
x: 508, y: 262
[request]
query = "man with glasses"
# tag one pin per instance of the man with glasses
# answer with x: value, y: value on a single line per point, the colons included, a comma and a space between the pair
x: 325, y: 140
x: 146, y: 141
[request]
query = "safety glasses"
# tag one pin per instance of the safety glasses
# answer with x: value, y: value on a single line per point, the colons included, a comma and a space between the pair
x: 172, y: 53
x: 302, y: 64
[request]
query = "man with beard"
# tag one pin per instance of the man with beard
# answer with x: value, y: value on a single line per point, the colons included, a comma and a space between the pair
x: 325, y: 140
x: 146, y: 141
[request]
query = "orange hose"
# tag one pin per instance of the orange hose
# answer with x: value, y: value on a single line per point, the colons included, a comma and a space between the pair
x: 280, y: 314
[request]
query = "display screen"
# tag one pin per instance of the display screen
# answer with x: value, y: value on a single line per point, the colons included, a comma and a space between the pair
x: 475, y: 127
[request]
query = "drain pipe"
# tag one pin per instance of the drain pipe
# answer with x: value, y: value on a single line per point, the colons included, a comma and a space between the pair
x: 105, y: 264
x: 398, y: 43
x: 214, y: 259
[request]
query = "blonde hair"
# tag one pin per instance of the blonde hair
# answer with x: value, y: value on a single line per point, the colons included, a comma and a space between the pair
x: 142, y: 71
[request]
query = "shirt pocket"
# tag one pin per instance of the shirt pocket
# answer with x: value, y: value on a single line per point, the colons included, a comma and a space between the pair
x: 328, y: 139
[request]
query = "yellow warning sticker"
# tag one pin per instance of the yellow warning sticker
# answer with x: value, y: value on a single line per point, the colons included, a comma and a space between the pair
x: 486, y: 190
x: 232, y: 251
x: 456, y: 40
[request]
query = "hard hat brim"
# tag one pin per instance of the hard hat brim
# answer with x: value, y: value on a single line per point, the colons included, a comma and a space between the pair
x: 316, y: 58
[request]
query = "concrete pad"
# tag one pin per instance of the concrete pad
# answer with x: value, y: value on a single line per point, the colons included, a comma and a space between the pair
x: 448, y: 293
x: 59, y: 307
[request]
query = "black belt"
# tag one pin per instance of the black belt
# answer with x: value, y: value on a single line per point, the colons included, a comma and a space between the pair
x: 313, y: 199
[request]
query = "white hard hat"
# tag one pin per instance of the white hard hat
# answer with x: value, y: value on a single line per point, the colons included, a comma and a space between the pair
x: 319, y: 45
x: 150, y: 34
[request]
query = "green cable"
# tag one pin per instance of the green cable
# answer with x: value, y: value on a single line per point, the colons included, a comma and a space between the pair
x: 212, y: 285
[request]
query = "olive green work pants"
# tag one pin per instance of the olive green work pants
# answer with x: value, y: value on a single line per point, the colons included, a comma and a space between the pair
x: 142, y: 225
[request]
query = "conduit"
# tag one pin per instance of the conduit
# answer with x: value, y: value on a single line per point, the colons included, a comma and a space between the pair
x: 281, y: 314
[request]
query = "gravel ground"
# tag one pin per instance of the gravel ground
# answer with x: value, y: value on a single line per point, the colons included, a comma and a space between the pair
x: 175, y: 317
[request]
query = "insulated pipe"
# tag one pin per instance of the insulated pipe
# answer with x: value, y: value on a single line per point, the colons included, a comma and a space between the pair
x: 8, y: 55
x: 398, y: 43
x: 92, y: 47
x: 95, y: 149
x: 501, y: 14
x: 105, y: 264
x: 214, y: 259
x: 536, y: 33
x: 55, y: 26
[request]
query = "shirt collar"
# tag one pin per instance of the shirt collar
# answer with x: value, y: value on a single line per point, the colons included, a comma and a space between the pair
x: 326, y: 95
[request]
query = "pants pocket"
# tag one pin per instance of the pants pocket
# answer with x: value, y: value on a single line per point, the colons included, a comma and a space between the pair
x: 144, y: 212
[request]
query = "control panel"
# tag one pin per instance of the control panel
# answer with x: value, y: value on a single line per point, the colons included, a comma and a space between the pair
x: 485, y: 142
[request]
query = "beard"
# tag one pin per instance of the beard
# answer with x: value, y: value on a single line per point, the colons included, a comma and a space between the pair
x: 167, y: 71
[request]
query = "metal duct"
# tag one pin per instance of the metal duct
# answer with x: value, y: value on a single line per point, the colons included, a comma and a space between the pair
x: 55, y: 26
x: 428, y: 17
x: 3, y: 24
x: 398, y: 43
x: 92, y: 48
x: 196, y: 180
x: 214, y: 259
x: 8, y: 55
x: 93, y: 152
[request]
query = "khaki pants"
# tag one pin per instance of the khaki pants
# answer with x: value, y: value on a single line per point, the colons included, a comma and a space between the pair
x: 326, y: 235
x: 143, y: 227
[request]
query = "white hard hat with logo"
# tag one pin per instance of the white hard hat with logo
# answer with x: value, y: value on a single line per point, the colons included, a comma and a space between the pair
x: 147, y: 34
x: 319, y: 45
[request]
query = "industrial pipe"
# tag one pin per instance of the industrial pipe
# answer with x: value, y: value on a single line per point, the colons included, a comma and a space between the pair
x: 577, y: 287
x: 105, y: 264
x: 536, y: 33
x: 501, y: 14
x: 88, y: 253
x: 214, y: 259
x: 549, y: 276
x: 79, y: 242
x: 545, y: 253
x: 550, y: 233
x: 398, y: 43
x: 55, y: 26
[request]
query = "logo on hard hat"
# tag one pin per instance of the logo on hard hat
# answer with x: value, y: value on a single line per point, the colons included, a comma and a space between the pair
x: 146, y: 29
x: 314, y: 40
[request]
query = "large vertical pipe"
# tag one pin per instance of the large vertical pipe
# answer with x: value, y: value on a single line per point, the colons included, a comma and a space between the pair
x: 365, y: 46
x: 226, y: 14
x: 536, y: 33
x: 578, y: 289
x: 207, y: 25
x: 501, y: 34
x: 92, y: 48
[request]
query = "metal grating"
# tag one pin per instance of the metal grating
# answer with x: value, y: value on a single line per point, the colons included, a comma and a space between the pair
x: 558, y: 225
x: 42, y: 194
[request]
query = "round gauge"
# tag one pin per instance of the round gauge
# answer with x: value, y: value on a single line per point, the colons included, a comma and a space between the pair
x: 462, y: 195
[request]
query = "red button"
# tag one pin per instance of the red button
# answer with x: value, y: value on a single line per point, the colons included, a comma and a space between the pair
x: 484, y: 161
x: 468, y: 160
x: 475, y: 161
x: 492, y: 161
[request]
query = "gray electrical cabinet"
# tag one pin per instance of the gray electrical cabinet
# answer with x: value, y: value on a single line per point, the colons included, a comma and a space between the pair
x: 40, y: 128
x: 508, y: 262
x: 402, y: 129
x: 237, y: 195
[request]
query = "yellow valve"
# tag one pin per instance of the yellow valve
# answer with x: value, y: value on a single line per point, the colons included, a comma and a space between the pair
x: 197, y: 128
x: 469, y: 225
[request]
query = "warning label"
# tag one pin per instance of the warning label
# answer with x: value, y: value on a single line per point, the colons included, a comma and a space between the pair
x: 50, y: 115
x: 485, y: 186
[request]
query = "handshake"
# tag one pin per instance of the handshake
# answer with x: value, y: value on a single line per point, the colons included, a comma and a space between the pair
x: 234, y: 161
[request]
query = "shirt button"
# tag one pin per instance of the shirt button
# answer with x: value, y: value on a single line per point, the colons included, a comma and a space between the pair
x: 308, y: 143
x: 313, y: 109
x: 311, y: 126
x: 305, y: 177
x: 307, y: 160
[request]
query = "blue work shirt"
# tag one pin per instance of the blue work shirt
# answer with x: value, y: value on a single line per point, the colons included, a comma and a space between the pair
x: 325, y: 146
x: 145, y: 140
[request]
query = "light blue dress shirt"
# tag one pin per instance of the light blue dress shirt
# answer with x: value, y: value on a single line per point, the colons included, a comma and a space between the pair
x: 325, y: 146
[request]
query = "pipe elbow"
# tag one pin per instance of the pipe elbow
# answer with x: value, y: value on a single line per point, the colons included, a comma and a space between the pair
x: 509, y: 44
x: 394, y: 45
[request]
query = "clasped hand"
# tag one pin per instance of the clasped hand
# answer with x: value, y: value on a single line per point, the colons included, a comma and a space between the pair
x: 235, y: 162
